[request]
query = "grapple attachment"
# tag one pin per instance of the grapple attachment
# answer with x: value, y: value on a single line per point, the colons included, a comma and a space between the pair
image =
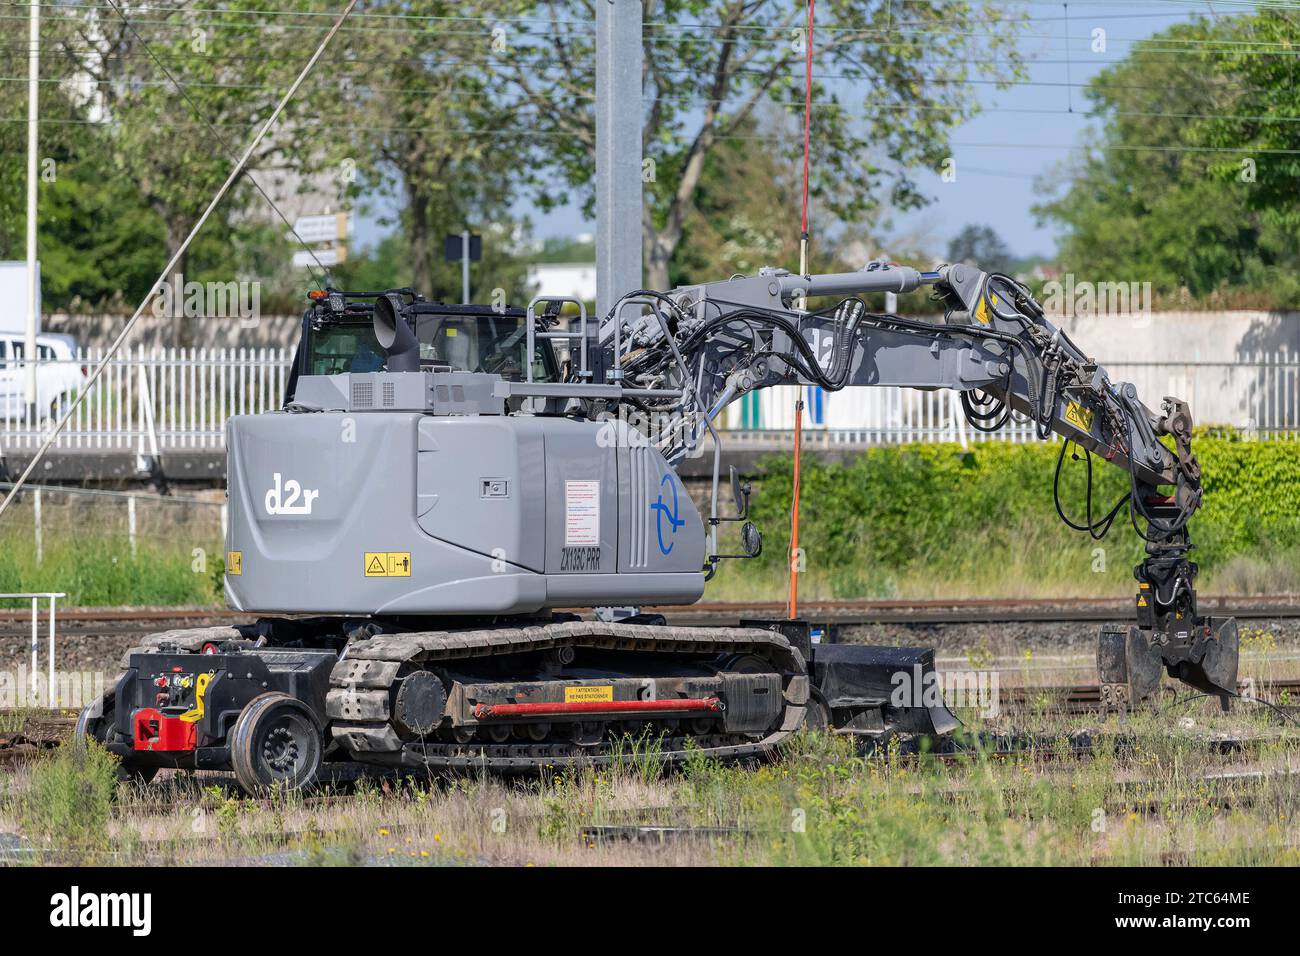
x: 1203, y: 656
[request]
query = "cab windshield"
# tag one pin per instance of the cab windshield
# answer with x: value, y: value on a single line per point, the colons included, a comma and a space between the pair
x: 491, y: 343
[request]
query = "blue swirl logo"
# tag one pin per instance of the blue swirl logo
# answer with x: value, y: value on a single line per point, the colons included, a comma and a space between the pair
x: 662, y: 511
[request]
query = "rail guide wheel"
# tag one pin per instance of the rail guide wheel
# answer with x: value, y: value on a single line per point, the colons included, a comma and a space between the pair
x: 276, y: 743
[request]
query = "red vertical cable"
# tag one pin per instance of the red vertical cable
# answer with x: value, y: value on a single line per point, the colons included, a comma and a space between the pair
x: 803, y: 269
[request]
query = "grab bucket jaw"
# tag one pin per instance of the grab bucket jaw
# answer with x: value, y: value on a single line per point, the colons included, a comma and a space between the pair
x: 1204, y: 656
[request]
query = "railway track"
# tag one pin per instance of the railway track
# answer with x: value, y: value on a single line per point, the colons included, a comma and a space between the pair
x: 40, y: 731
x: 30, y: 733
x: 17, y: 622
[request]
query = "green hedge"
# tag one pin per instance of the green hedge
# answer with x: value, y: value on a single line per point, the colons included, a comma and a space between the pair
x: 893, y: 521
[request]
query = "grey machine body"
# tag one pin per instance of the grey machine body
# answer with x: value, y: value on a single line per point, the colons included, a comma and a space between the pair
x: 493, y: 513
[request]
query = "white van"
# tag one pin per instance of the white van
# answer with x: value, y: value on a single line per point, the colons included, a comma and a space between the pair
x: 59, y: 374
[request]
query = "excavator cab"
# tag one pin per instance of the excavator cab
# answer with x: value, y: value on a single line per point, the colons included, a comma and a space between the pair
x: 338, y: 336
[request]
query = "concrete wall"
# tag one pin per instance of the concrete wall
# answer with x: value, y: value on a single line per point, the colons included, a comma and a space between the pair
x: 1235, y: 368
x: 1184, y: 336
x: 98, y: 331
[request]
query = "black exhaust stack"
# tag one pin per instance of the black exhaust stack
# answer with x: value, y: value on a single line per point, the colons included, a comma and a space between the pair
x: 394, y: 335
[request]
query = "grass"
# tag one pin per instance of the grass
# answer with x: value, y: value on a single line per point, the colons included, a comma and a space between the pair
x: 1154, y: 800
x: 87, y: 553
x: 69, y: 801
x: 1033, y: 562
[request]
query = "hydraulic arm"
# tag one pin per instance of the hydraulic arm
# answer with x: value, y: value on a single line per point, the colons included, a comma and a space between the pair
x: 694, y: 350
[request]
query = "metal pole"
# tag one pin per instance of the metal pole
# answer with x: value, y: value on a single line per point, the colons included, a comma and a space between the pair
x: 793, y: 607
x: 33, y: 285
x: 618, y: 151
x: 53, y: 701
x: 36, y: 663
x: 464, y: 267
x: 130, y: 523
x: 36, y: 521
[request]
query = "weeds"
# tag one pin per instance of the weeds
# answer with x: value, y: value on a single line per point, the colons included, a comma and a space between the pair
x: 1152, y: 790
x: 69, y: 801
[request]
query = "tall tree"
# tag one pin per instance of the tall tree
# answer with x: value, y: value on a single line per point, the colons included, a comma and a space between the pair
x: 420, y: 112
x: 180, y: 87
x: 1172, y: 186
x: 1255, y: 107
x: 889, y: 87
x: 96, y: 241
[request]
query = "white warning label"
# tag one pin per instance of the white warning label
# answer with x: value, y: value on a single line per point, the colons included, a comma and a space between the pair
x: 581, y: 513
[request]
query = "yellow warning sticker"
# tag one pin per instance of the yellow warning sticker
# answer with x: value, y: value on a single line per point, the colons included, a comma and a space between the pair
x: 234, y: 562
x: 388, y: 564
x: 982, y: 311
x: 574, y: 695
x: 1142, y: 602
x: 1078, y: 416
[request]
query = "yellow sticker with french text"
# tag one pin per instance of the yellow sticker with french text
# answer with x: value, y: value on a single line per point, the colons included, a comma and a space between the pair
x: 597, y: 692
x: 234, y: 562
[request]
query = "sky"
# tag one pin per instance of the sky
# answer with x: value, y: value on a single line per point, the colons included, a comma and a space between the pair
x: 1022, y: 134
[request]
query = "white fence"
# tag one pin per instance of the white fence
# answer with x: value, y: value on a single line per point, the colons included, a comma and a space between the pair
x: 1260, y: 397
x: 184, y: 396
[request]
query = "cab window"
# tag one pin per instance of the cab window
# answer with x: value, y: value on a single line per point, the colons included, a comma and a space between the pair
x: 345, y: 347
x: 479, y: 343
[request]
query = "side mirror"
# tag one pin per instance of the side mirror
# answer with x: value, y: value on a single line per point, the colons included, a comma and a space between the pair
x: 740, y: 491
x: 751, y: 539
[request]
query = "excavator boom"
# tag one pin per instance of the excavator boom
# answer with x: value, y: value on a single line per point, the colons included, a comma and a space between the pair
x: 713, y: 343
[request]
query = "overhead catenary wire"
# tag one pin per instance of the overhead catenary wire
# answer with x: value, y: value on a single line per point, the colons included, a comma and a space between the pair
x: 922, y: 26
x: 1097, y: 113
x: 122, y: 335
x: 578, y: 25
x: 726, y: 33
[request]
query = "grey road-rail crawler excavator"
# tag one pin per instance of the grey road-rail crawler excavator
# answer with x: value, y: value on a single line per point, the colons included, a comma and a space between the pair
x: 454, y: 523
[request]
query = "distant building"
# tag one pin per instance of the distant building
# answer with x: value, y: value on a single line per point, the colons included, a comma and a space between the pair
x: 575, y: 280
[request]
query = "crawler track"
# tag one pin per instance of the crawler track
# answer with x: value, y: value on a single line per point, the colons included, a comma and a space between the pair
x: 362, y: 687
